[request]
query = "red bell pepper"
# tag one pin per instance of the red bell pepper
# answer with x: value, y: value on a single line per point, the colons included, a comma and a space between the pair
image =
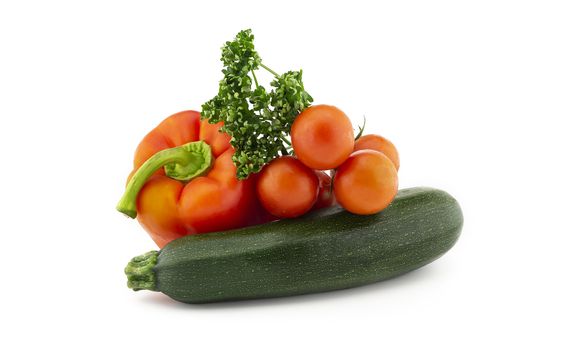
x: 184, y: 182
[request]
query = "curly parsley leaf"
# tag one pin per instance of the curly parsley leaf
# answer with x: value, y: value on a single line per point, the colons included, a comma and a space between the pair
x: 258, y: 121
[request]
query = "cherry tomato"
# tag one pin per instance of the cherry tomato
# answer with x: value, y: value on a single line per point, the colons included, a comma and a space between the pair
x: 380, y: 144
x: 322, y: 137
x: 287, y: 188
x: 366, y: 183
x: 325, y: 194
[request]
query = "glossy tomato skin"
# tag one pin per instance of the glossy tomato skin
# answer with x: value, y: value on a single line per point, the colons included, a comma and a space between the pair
x: 380, y: 144
x: 366, y: 183
x: 287, y: 188
x: 322, y: 137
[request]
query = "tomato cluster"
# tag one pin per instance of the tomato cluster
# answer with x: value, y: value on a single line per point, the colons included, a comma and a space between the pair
x: 364, y: 181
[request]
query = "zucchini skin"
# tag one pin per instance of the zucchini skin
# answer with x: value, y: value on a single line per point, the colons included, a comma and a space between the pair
x: 327, y: 250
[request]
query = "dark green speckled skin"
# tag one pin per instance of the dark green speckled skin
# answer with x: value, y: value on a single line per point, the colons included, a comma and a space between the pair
x: 325, y: 251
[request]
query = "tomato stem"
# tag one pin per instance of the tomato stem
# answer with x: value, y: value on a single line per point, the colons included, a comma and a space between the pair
x: 361, y: 129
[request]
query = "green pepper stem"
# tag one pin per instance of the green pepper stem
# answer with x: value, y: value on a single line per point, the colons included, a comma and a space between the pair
x: 182, y: 163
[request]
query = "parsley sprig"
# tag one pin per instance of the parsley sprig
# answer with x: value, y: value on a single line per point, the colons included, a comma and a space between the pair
x: 258, y: 121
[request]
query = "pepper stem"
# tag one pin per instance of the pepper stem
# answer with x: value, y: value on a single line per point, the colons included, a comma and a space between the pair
x: 140, y: 271
x: 181, y: 163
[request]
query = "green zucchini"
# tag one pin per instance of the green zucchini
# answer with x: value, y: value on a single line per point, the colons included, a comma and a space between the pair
x: 327, y: 250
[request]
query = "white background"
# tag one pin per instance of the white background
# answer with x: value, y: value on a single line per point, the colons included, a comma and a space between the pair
x: 478, y: 96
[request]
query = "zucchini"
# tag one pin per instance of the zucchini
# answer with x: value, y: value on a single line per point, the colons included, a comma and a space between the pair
x: 326, y: 250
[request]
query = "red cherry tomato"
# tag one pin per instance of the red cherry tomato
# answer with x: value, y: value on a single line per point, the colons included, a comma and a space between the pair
x: 380, y: 144
x: 287, y: 188
x: 322, y: 137
x: 366, y: 183
x: 325, y: 194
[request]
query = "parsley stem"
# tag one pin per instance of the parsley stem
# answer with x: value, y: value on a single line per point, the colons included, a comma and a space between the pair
x: 254, y: 76
x: 270, y: 70
x: 286, y: 140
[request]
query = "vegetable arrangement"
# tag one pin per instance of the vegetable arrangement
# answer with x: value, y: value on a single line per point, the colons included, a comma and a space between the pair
x: 262, y: 194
